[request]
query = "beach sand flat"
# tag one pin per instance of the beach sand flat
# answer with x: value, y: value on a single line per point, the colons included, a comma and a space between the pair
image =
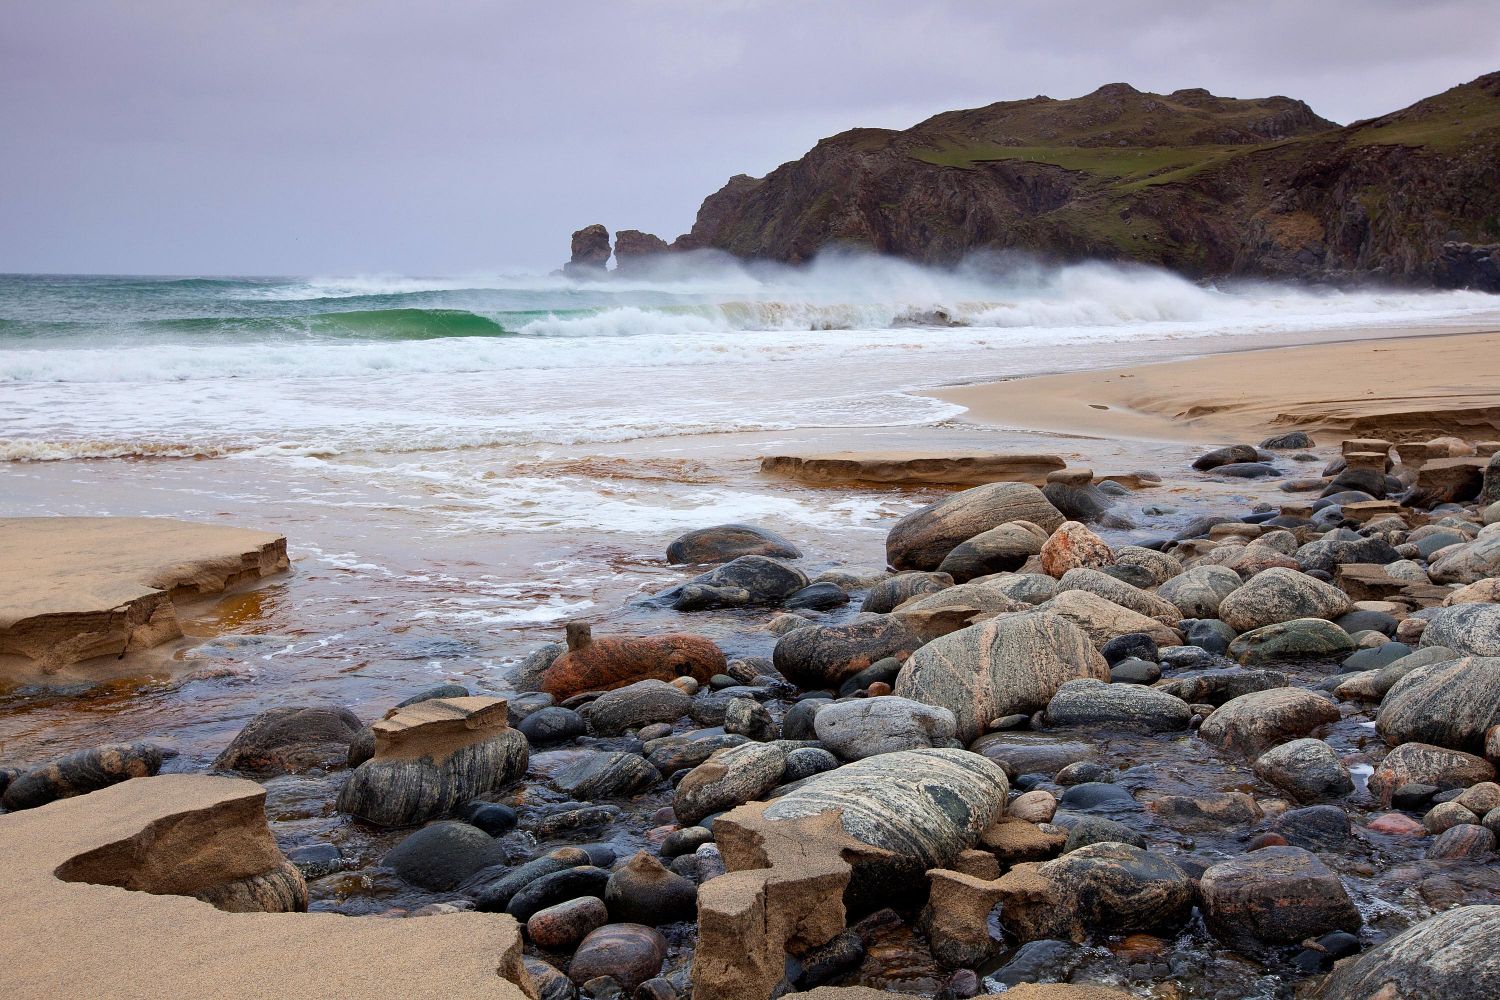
x: 1409, y: 389
x: 74, y: 589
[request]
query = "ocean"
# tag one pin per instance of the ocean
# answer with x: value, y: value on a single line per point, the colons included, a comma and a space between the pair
x: 462, y: 464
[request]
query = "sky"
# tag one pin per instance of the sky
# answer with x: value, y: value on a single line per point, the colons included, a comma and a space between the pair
x: 325, y: 137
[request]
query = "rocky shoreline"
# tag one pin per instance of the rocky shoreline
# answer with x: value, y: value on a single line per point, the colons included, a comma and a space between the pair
x: 1256, y: 758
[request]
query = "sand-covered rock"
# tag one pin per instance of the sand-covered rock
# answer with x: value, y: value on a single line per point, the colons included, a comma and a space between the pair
x: 431, y: 758
x: 998, y: 668
x: 1452, y: 703
x: 923, y: 538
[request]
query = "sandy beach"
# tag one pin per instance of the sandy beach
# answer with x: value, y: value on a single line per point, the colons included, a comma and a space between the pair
x: 1408, y: 388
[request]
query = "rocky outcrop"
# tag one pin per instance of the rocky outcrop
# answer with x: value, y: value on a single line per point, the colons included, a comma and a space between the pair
x: 998, y: 668
x: 155, y: 862
x: 590, y: 253
x: 636, y: 251
x: 1381, y: 198
x: 904, y: 468
x: 73, y: 589
x: 431, y: 758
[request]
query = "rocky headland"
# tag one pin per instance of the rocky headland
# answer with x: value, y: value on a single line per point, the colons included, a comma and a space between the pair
x: 1206, y: 186
x: 1026, y: 749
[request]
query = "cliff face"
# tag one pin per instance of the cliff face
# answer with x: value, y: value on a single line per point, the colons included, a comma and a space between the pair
x: 1204, y: 185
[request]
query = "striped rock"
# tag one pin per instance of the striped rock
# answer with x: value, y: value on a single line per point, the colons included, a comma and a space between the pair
x: 824, y: 656
x: 1421, y: 763
x: 1119, y: 592
x: 431, y: 758
x: 1468, y: 629
x: 1448, y: 704
x: 1451, y: 955
x: 998, y: 668
x: 1103, y: 620
x: 81, y: 772
x: 919, y: 808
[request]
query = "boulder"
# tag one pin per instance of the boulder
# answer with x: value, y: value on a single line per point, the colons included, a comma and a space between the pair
x: 823, y: 656
x: 1107, y: 888
x: 1281, y: 595
x: 629, y: 954
x: 1198, y: 592
x: 81, y: 772
x: 1215, y: 687
x: 1206, y: 811
x: 1104, y: 620
x: 895, y: 590
x: 587, y: 775
x: 1298, y: 639
x: 953, y: 608
x: 431, y: 758
x: 998, y: 668
x: 727, y: 779
x: 442, y: 856
x: 923, y: 538
x: 1467, y: 629
x: 865, y: 727
x: 1253, y: 723
x: 1372, y: 685
x: 636, y: 705
x: 614, y: 661
x: 1421, y: 763
x: 999, y: 550
x: 1119, y: 592
x: 1452, y: 703
x: 1276, y: 895
x: 291, y: 740
x: 917, y: 809
x: 1451, y: 955
x: 563, y: 925
x: 1290, y: 441
x: 644, y: 891
x: 1073, y: 546
x: 1308, y: 770
x: 1094, y: 702
x: 552, y: 724
x: 746, y: 580
x: 725, y: 542
x: 1315, y: 828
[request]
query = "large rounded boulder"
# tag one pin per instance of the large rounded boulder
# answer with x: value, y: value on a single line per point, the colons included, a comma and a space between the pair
x: 1281, y: 595
x: 1108, y: 887
x: 923, y: 538
x: 292, y: 739
x: 1276, y: 895
x: 1253, y: 723
x: 824, y: 656
x: 1451, y: 956
x: 725, y: 542
x: 1198, y: 592
x: 1449, y: 704
x: 1470, y: 629
x: 1001, y: 667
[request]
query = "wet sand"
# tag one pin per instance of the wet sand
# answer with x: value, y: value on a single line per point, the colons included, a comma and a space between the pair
x: 1408, y: 388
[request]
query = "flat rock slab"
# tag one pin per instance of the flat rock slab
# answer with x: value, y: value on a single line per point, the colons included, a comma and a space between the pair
x: 913, y: 468
x: 75, y: 588
x: 161, y: 836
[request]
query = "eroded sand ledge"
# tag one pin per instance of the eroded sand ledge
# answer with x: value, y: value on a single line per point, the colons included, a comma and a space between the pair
x: 66, y: 936
x: 1406, y: 389
x: 76, y: 588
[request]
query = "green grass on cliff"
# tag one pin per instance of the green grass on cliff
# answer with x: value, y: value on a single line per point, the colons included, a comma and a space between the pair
x: 1126, y: 166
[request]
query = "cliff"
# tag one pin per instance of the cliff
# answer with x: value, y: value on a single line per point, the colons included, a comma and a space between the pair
x: 1203, y: 185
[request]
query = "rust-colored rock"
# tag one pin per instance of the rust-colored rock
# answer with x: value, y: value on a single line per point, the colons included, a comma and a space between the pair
x: 611, y: 662
x: 1071, y: 546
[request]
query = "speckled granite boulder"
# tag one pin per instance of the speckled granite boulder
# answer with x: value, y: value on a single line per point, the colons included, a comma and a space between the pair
x: 1253, y: 723
x: 1467, y: 629
x: 1199, y: 591
x: 1451, y: 956
x: 923, y: 538
x: 998, y: 668
x: 727, y: 779
x: 1281, y: 595
x: 1451, y: 704
x: 1093, y: 703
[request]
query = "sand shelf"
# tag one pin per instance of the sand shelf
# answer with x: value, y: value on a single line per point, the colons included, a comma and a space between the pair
x: 74, y: 589
x: 913, y: 468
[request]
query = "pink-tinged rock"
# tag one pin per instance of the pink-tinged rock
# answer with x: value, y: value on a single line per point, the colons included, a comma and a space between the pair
x: 1073, y: 546
x: 565, y: 924
x: 1397, y: 825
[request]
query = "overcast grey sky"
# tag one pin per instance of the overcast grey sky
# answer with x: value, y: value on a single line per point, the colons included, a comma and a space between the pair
x: 447, y: 136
